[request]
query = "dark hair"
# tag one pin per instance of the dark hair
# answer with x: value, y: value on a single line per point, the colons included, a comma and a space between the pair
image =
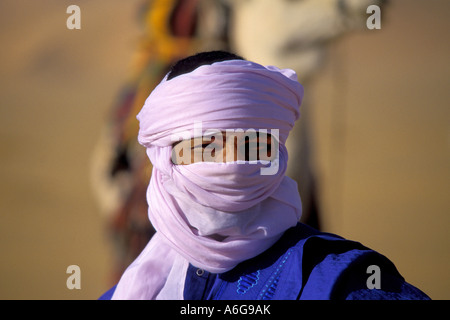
x: 191, y: 63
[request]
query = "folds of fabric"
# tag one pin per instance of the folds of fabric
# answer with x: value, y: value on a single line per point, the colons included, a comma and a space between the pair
x: 226, y: 95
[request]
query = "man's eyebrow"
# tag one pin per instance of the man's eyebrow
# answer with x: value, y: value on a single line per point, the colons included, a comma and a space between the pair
x: 258, y: 135
x: 177, y: 142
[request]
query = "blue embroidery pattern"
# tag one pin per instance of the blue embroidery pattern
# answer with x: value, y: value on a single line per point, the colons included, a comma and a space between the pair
x: 247, y: 281
x: 269, y: 289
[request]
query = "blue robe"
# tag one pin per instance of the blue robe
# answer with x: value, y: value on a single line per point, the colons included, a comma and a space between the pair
x: 304, y: 264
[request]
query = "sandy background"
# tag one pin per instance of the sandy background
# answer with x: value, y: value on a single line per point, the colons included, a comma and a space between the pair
x: 383, y: 160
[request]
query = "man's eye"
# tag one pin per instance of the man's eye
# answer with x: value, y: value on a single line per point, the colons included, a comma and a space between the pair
x: 200, y: 146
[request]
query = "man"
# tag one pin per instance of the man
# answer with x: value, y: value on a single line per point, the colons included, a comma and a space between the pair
x: 226, y: 216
